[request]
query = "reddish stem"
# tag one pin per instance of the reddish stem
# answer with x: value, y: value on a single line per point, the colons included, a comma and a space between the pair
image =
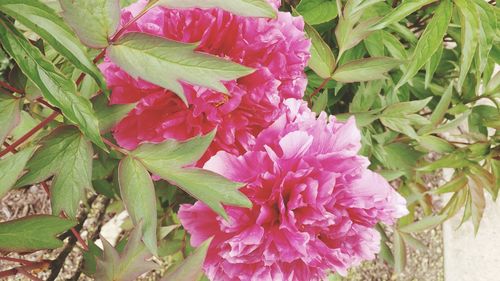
x: 45, y: 187
x: 21, y: 261
x: 42, y: 101
x: 114, y: 146
x: 29, y: 134
x: 319, y: 88
x: 10, y: 88
x: 77, y: 235
x: 35, y: 265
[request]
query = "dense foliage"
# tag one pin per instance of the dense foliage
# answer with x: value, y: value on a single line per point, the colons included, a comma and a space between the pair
x: 418, y: 76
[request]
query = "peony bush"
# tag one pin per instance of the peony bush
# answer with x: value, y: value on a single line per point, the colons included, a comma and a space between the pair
x: 241, y: 139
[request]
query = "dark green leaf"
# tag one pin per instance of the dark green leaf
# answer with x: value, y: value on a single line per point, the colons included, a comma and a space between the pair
x: 320, y: 102
x: 45, y: 22
x: 166, y: 63
x: 66, y: 155
x: 138, y: 195
x: 454, y: 185
x: 33, y: 233
x: 191, y: 269
x: 109, y: 115
x: 56, y: 88
x: 94, y: 21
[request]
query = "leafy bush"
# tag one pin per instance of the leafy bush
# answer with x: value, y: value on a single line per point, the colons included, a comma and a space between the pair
x: 418, y: 75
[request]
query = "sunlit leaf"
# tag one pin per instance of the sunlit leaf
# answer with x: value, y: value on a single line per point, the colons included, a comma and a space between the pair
x: 165, y: 63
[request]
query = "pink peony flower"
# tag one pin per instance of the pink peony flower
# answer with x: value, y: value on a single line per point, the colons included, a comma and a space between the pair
x: 315, y: 203
x: 276, y: 48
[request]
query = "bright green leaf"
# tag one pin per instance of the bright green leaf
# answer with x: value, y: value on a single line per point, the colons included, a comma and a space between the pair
x: 402, y: 11
x: 166, y: 63
x: 317, y: 11
x: 322, y: 59
x: 469, y: 39
x: 429, y: 42
x: 168, y: 159
x: 248, y: 8
x: 424, y: 224
x: 320, y: 102
x: 10, y: 115
x: 94, y: 21
x: 11, y: 169
x: 66, y: 155
x: 33, y: 233
x: 138, y: 195
x: 365, y: 69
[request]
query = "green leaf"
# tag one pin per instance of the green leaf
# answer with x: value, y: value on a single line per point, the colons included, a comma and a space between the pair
x: 317, y: 11
x: 478, y: 201
x: 11, y: 169
x: 399, y: 252
x: 402, y: 11
x: 365, y: 69
x: 413, y: 242
x: 42, y: 20
x: 469, y: 19
x: 127, y: 265
x: 322, y: 59
x: 424, y: 224
x: 33, y: 233
x: 94, y: 21
x: 138, y: 195
x: 66, y: 155
x: 166, y: 63
x: 191, y: 269
x: 454, y: 160
x: 454, y: 185
x: 349, y: 34
x: 109, y: 115
x: 320, y: 102
x: 168, y: 160
x: 56, y: 88
x: 444, y: 103
x: 432, y: 65
x: 487, y: 35
x: 429, y: 42
x: 400, y: 118
x: 435, y: 144
x: 10, y: 115
x: 247, y: 8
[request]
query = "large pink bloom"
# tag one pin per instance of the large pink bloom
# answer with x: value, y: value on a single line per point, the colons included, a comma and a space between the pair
x: 315, y: 203
x: 276, y: 48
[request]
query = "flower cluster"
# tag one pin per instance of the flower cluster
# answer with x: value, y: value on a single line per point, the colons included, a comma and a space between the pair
x: 315, y: 202
x: 277, y: 50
